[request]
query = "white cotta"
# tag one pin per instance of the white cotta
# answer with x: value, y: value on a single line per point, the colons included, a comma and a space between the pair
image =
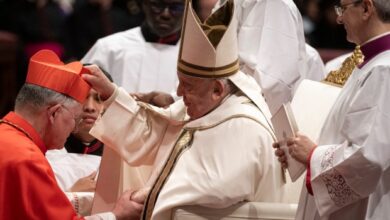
x: 350, y: 174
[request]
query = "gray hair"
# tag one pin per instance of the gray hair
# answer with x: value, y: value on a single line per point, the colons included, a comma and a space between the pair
x: 383, y: 9
x: 36, y: 97
x: 231, y: 88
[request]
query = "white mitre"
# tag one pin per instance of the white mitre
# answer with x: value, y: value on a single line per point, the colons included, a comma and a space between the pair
x: 210, y: 50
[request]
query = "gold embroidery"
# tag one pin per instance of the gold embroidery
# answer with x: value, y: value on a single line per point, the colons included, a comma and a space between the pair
x: 182, y: 143
x: 340, y: 76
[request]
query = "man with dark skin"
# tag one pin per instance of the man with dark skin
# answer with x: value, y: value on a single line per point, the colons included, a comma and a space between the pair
x: 143, y: 59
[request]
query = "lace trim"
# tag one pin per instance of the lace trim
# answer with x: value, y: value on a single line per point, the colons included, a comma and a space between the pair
x: 327, y: 161
x: 338, y: 190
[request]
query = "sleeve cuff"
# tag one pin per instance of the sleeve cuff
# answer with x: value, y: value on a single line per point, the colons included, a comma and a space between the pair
x: 308, y: 173
x: 112, y: 97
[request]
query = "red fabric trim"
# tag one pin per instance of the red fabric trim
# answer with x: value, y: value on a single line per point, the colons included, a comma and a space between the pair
x: 169, y: 39
x: 27, y: 127
x: 90, y: 149
x: 308, y: 173
x: 47, y: 70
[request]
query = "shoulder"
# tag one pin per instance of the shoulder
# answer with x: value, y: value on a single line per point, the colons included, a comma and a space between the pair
x: 122, y: 38
x: 18, y: 147
x: 378, y: 79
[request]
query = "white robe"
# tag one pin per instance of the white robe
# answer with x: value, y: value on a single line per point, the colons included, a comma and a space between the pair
x: 134, y: 64
x: 70, y: 167
x: 220, y: 168
x: 271, y: 45
x: 350, y: 174
x: 315, y: 68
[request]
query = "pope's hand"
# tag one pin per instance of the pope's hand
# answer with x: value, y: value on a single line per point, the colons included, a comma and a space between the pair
x: 99, y: 82
x: 140, y: 195
x: 159, y: 99
x: 125, y: 208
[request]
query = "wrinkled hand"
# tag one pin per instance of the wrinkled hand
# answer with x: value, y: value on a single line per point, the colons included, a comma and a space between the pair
x: 85, y: 184
x: 125, y: 208
x: 99, y: 82
x: 159, y: 99
x: 300, y: 147
x: 140, y: 195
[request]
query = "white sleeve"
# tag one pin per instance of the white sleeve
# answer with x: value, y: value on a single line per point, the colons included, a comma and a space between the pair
x: 272, y: 47
x: 132, y: 131
x: 81, y: 201
x: 342, y: 174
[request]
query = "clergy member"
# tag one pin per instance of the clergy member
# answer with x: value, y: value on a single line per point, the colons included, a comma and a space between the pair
x: 143, y: 59
x: 348, y: 167
x: 208, y: 148
x: 47, y: 109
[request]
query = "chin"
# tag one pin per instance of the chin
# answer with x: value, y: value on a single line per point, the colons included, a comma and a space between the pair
x: 194, y: 116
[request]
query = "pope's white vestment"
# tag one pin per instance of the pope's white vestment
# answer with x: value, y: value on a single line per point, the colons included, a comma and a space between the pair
x: 350, y: 174
x: 135, y: 64
x: 228, y: 160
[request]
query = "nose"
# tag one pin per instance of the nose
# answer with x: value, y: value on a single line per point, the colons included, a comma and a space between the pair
x: 89, y: 105
x: 165, y: 13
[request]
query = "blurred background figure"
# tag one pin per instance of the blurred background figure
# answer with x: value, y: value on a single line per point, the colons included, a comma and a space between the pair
x: 93, y: 19
x: 36, y: 25
x: 143, y: 59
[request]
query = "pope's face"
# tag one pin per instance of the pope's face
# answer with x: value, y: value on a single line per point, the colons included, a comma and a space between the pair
x: 197, y: 95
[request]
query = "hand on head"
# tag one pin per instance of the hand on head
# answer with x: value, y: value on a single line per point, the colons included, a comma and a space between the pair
x: 99, y: 82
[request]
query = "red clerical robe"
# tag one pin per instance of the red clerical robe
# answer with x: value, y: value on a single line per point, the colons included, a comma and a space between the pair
x: 28, y: 189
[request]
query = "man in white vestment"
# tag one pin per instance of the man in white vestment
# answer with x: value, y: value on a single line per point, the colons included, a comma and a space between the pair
x: 211, y: 148
x: 348, y: 174
x: 143, y: 59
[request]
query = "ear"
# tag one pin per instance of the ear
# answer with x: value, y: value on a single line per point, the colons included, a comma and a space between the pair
x: 52, y: 112
x: 368, y: 9
x: 218, y: 89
